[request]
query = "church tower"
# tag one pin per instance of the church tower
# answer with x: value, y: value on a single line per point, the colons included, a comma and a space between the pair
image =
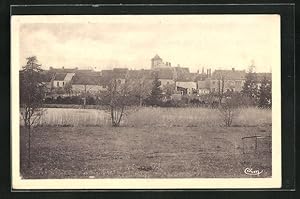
x: 156, y: 62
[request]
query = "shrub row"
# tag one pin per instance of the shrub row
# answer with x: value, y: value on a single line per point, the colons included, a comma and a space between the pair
x: 184, y: 102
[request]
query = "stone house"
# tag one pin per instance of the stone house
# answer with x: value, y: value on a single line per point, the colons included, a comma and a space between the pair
x: 229, y: 80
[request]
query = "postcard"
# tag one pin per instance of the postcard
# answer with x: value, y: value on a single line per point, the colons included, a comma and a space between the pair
x: 146, y: 101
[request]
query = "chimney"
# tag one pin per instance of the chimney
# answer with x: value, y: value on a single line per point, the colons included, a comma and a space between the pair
x: 232, y: 69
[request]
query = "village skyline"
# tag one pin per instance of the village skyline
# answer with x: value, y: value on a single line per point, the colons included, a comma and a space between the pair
x: 191, y: 69
x: 193, y: 41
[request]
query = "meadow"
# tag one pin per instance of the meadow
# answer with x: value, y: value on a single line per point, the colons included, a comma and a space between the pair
x: 155, y: 116
x: 150, y: 143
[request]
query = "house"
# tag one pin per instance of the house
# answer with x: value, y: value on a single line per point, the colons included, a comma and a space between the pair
x: 140, y: 74
x: 62, y: 70
x: 165, y: 76
x: 186, y: 87
x: 203, y: 87
x: 61, y: 79
x: 180, y: 72
x: 48, y: 78
x: 227, y: 80
x: 86, y: 83
x: 118, y: 74
x: 61, y: 76
x: 58, y: 81
x: 203, y: 83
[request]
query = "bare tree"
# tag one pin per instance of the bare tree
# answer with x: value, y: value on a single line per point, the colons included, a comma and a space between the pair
x: 117, y: 96
x: 32, y: 91
x: 229, y: 109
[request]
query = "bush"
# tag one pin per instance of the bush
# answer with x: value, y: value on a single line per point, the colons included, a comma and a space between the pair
x: 229, y: 109
x: 90, y: 100
x: 49, y: 100
x: 169, y: 103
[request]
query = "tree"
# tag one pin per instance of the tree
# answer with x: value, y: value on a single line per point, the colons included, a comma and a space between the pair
x: 169, y: 89
x: 250, y: 86
x: 117, y: 96
x: 32, y: 91
x: 141, y: 88
x: 265, y: 94
x: 68, y: 88
x: 156, y: 92
x: 229, y: 109
x: 221, y: 82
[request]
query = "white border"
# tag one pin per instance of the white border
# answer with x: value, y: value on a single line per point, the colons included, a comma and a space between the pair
x: 186, y: 183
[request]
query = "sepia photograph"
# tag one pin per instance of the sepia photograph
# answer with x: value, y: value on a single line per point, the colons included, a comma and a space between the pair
x: 146, y: 101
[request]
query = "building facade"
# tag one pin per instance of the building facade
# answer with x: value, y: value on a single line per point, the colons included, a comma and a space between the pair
x: 227, y: 80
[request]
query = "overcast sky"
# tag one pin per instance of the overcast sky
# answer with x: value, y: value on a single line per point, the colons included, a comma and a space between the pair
x: 194, y: 41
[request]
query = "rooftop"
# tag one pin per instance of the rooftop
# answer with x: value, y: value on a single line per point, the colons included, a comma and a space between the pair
x: 60, y: 76
x: 165, y: 73
x: 156, y: 57
x: 229, y: 74
x: 86, y: 80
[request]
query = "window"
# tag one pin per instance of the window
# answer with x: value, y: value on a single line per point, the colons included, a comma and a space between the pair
x: 63, y: 83
x: 57, y: 84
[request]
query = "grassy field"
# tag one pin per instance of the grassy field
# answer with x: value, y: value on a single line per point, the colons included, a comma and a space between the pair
x: 152, y: 142
x: 162, y: 117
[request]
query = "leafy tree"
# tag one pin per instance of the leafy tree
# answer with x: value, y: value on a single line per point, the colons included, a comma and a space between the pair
x: 141, y: 89
x: 32, y: 92
x: 156, y: 92
x: 250, y: 88
x: 265, y: 94
x: 169, y: 89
